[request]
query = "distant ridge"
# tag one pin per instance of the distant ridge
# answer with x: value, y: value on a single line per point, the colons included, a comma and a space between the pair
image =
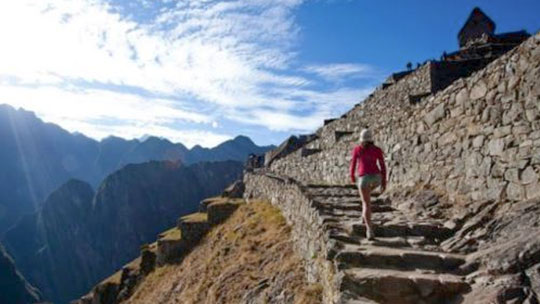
x: 37, y: 157
x: 78, y: 236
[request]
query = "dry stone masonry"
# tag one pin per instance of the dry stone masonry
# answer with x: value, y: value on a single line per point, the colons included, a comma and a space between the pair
x: 459, y: 223
x: 478, y: 138
x: 171, y: 247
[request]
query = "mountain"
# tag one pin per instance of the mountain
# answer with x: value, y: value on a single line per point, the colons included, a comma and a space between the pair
x: 35, y: 158
x: 237, y: 149
x: 77, y: 237
x: 14, y: 289
x: 54, y: 246
x: 38, y: 157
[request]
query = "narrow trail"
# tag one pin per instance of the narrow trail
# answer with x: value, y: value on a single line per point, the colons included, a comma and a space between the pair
x: 403, y: 265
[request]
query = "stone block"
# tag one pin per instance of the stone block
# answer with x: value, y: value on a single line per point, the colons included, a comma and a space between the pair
x: 529, y: 176
x: 532, y: 190
x: 515, y: 192
x: 473, y: 162
x: 435, y: 115
x: 495, y: 189
x: 218, y: 212
x: 148, y: 261
x: 106, y: 293
x: 235, y: 190
x: 512, y: 175
x: 521, y: 129
x: 478, y: 141
x: 496, y: 146
x: 501, y: 88
x: 193, y: 227
x: 513, y: 82
x: 170, y: 250
x: 513, y: 114
x: 479, y: 90
x: 462, y: 97
x: 502, y: 131
x: 532, y: 114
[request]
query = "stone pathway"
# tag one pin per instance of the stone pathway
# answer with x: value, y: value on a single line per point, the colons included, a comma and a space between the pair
x: 405, y: 263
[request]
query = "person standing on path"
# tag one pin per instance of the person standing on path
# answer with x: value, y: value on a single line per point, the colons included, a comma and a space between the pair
x: 368, y: 171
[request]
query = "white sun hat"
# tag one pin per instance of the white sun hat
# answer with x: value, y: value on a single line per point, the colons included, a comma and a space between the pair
x: 366, y: 135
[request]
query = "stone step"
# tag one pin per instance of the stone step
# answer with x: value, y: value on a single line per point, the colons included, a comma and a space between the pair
x: 403, y: 287
x: 397, y: 258
x: 350, y: 218
x: 354, y: 206
x: 329, y: 186
x: 331, y: 191
x: 323, y: 193
x: 394, y: 242
x: 432, y: 231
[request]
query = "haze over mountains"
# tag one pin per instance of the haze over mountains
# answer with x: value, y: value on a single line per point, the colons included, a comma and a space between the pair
x: 78, y: 237
x: 37, y: 157
x: 73, y: 209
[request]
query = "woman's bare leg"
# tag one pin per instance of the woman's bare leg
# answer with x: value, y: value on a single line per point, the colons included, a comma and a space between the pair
x: 365, y: 193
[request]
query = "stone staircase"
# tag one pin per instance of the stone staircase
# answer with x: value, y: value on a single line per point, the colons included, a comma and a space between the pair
x: 403, y: 265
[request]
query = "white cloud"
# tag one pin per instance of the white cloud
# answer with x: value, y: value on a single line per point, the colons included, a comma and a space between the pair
x: 100, y: 113
x: 72, y: 61
x: 311, y: 109
x: 342, y: 70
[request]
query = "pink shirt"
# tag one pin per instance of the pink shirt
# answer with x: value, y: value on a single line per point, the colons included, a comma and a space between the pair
x: 366, y: 159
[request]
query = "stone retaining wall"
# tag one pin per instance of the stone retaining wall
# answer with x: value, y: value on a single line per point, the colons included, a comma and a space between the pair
x: 192, y: 229
x: 307, y: 230
x: 479, y: 138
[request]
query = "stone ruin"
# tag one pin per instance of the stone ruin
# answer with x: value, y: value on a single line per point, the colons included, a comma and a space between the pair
x: 170, y: 248
x: 459, y: 221
x: 479, y: 46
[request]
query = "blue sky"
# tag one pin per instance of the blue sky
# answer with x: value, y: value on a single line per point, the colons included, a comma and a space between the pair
x: 204, y: 71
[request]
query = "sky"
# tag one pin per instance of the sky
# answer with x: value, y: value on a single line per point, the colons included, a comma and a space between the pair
x: 204, y: 71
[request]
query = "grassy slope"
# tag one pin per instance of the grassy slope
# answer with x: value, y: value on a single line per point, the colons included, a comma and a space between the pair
x: 232, y: 263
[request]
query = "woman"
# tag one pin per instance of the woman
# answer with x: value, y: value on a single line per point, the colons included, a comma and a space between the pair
x: 368, y: 164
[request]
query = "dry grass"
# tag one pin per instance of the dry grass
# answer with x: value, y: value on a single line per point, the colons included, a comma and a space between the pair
x: 249, y: 256
x: 196, y: 217
x: 171, y: 234
x: 115, y: 278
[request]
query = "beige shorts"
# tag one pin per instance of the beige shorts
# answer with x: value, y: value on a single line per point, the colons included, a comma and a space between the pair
x: 370, y: 181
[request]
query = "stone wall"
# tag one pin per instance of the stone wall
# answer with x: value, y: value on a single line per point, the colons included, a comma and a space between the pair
x: 307, y: 231
x: 443, y: 73
x: 171, y: 247
x: 479, y: 138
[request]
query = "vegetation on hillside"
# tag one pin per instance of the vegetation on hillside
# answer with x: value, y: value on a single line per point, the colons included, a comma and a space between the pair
x: 249, y: 258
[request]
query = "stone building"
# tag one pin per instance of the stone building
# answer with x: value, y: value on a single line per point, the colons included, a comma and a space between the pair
x: 477, y: 39
x: 477, y: 26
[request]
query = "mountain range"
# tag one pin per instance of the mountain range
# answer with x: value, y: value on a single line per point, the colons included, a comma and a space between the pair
x: 37, y: 157
x: 78, y: 236
x: 74, y: 209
